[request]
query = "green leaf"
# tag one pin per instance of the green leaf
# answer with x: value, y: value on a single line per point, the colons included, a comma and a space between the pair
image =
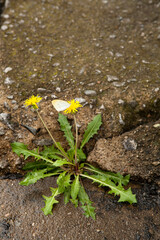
x: 59, y: 163
x: 35, y: 175
x: 20, y: 148
x: 75, y: 187
x: 81, y: 155
x: 66, y: 128
x: 92, y: 129
x: 89, y: 211
x: 71, y: 153
x: 81, y: 165
x: 62, y: 150
x: 37, y: 165
x: 82, y: 195
x: 75, y: 202
x: 125, y: 195
x: 49, y: 201
x: 51, y: 152
x: 67, y: 194
x: 86, y: 203
x: 116, y: 177
x: 63, y: 181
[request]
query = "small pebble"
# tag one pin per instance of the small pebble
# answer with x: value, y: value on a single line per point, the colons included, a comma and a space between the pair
x: 5, y: 117
x: 112, y: 78
x: 53, y: 96
x: 156, y: 163
x: 118, y: 55
x: 133, y: 104
x: 10, y: 97
x: 144, y: 61
x: 129, y: 144
x: 58, y: 89
x: 8, y: 81
x: 156, y: 89
x: 7, y: 215
x: 82, y: 71
x: 56, y: 64
x: 8, y: 69
x: 102, y: 107
x: 6, y: 105
x: 16, y: 107
x: 132, y: 80
x: 112, y: 36
x: 6, y: 16
x: 50, y: 55
x: 90, y: 92
x: 41, y: 90
x: 121, y: 120
x: 98, y: 71
x: 80, y: 100
x: 3, y: 163
x: 33, y: 75
x: 2, y: 131
x: 91, y: 84
x: 19, y: 135
x: 105, y: 1
x: 43, y: 142
x: 4, y: 27
x: 21, y: 21
x: 116, y: 84
x: 17, y: 223
x: 120, y: 101
x: 18, y: 162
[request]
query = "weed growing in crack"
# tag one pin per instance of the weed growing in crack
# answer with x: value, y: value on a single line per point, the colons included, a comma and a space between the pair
x: 70, y: 166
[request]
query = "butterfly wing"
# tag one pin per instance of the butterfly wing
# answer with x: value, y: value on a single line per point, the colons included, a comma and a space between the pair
x: 60, y: 105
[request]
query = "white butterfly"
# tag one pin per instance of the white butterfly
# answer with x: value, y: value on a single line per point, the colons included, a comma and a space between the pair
x: 60, y: 105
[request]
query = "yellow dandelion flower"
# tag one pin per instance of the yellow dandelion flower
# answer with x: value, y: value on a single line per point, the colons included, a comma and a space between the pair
x: 73, y: 106
x: 33, y: 100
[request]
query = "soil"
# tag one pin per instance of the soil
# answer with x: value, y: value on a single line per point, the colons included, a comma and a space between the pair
x: 22, y: 218
x: 60, y: 49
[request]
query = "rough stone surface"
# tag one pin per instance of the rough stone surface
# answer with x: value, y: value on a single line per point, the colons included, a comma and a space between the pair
x: 136, y: 153
x: 104, y: 48
x: 21, y: 216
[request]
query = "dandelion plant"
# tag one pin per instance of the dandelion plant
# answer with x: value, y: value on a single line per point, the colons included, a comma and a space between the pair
x: 69, y: 165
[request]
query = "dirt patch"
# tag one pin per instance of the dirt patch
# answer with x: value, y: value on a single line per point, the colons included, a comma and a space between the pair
x: 22, y: 216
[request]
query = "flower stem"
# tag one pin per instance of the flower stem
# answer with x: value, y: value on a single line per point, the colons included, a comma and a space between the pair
x: 64, y: 155
x: 75, y: 122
